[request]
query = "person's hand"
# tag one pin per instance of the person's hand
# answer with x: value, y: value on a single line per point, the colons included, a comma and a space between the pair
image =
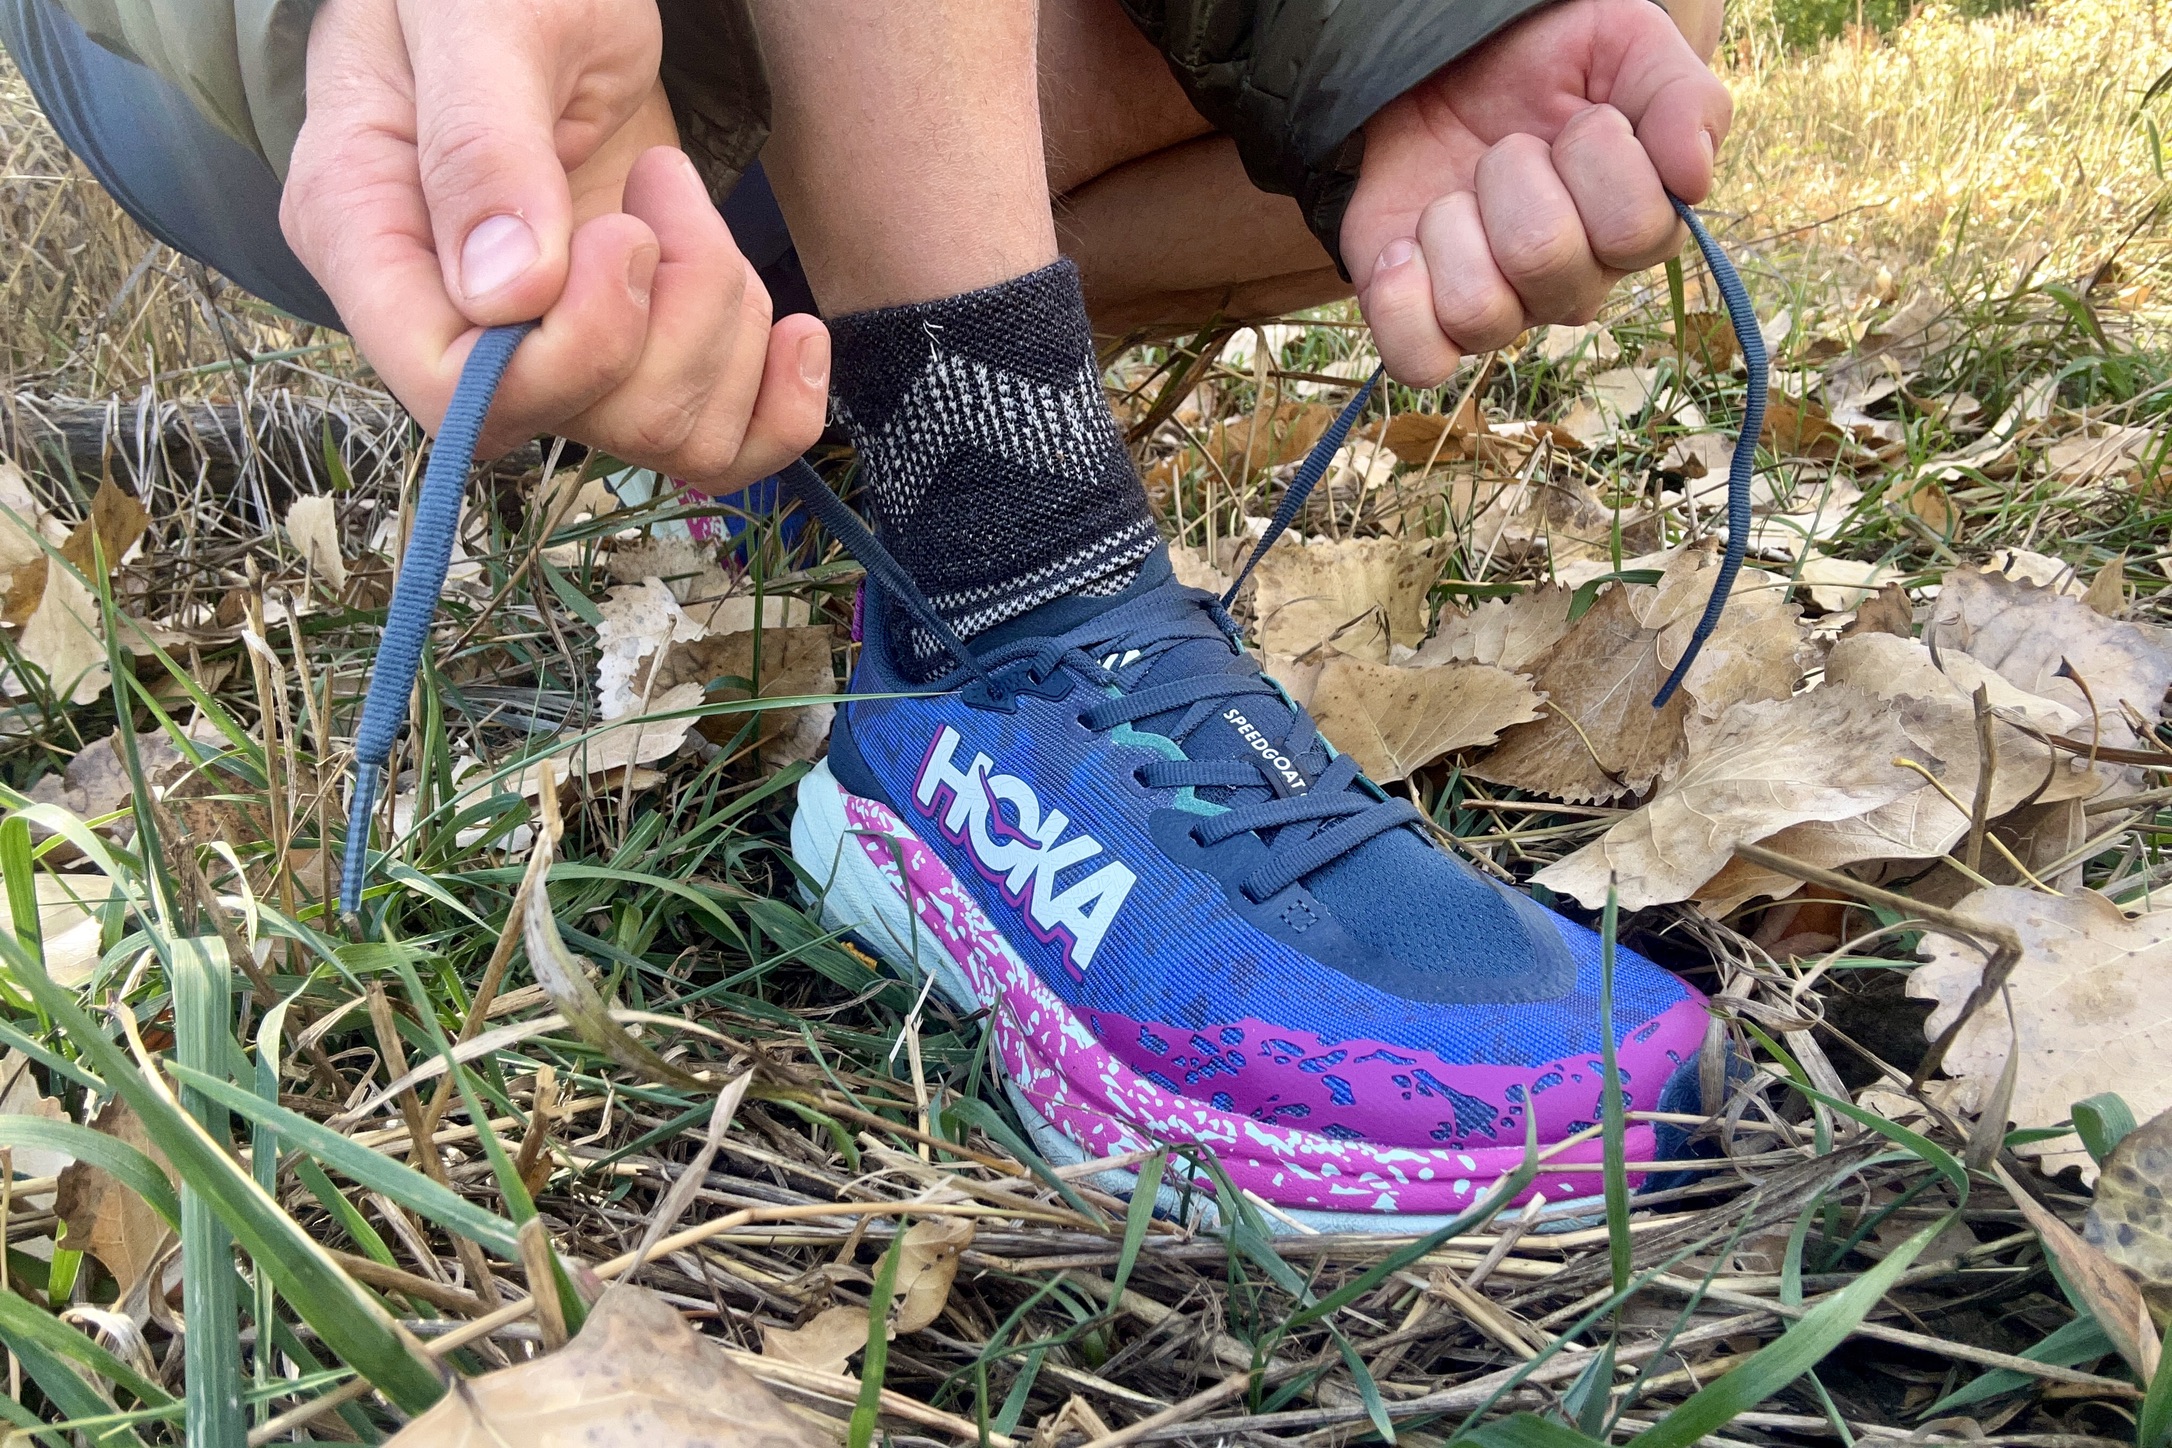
x: 467, y: 163
x: 1518, y: 184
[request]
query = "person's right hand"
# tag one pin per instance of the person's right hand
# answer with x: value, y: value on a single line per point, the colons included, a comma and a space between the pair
x: 467, y: 163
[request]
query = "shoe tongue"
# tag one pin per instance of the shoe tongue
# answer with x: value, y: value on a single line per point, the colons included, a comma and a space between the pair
x: 1246, y: 726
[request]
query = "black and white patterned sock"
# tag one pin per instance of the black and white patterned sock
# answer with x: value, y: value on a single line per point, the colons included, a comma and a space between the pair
x: 995, y: 469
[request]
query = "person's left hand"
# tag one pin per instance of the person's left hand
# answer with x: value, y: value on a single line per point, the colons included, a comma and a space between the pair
x: 1516, y: 185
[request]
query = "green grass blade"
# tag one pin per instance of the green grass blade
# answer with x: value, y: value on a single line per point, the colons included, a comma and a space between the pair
x: 20, y: 873
x: 56, y: 1356
x: 351, y: 1324
x: 1529, y: 1430
x: 979, y: 1113
x: 2078, y: 1342
x: 359, y: 1164
x: 1804, y: 1345
x: 1506, y: 1190
x: 1137, y: 1220
x: 1587, y: 1398
x: 2102, y: 1121
x: 130, y: 1167
x: 1614, y: 1125
x: 867, y: 1412
x: 203, y: 1014
x: 343, y: 1211
x: 2153, y: 1427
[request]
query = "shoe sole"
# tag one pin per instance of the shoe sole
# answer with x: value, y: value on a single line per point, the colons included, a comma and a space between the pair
x: 872, y: 877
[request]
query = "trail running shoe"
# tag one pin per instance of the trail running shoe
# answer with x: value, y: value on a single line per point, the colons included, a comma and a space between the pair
x: 1190, y: 920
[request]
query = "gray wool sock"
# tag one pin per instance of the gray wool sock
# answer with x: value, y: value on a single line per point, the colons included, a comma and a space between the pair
x: 994, y: 468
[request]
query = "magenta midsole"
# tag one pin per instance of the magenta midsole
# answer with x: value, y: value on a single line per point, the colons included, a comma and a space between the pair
x: 1107, y: 1108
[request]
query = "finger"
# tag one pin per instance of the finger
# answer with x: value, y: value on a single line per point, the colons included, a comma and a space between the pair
x: 352, y: 205
x: 791, y: 405
x: 1627, y: 219
x: 589, y: 342
x: 652, y: 415
x: 1398, y: 303
x: 1680, y: 110
x: 1536, y: 234
x: 1472, y: 301
x: 485, y: 120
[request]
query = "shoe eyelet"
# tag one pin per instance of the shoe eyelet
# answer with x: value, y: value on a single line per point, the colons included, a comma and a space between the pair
x: 1138, y: 777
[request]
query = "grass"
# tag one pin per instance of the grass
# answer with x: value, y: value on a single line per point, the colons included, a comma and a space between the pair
x: 1808, y: 1287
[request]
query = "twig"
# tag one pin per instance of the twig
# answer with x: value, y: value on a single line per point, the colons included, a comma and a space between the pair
x: 1987, y: 766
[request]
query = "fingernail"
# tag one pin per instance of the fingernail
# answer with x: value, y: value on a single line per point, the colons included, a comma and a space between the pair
x: 497, y: 253
x: 814, y: 361
x: 1396, y: 252
x: 640, y: 272
x: 1711, y: 147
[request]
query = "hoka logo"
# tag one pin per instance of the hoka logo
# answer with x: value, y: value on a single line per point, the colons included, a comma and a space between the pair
x: 1021, y: 856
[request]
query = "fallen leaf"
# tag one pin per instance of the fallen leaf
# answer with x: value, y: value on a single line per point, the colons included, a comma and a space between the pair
x: 70, y: 924
x: 1511, y: 633
x: 106, y: 1219
x: 640, y: 621
x: 824, y: 1344
x: 1397, y: 720
x: 1600, y: 737
x: 1701, y: 455
x: 1578, y: 345
x: 22, y: 529
x: 2107, y: 592
x: 117, y: 520
x: 20, y: 1096
x: 1936, y: 709
x: 927, y: 1266
x: 1708, y: 340
x: 1799, y: 429
x: 2113, y: 1298
x: 1891, y: 352
x: 629, y: 740
x: 1262, y: 440
x: 96, y: 782
x: 2090, y: 1007
x: 1759, y: 768
x: 1886, y: 611
x: 1423, y: 438
x: 2027, y: 566
x: 795, y: 662
x: 2130, y: 1221
x: 2108, y: 454
x: 1194, y: 569
x: 1359, y: 594
x: 1839, y: 584
x: 1754, y: 653
x: 2049, y: 645
x: 636, y: 1377
x: 689, y: 569
x: 313, y: 528
x: 1927, y: 501
x: 737, y: 613
x: 63, y: 639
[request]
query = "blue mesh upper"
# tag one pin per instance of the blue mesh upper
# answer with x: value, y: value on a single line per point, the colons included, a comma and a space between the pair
x: 1177, y: 952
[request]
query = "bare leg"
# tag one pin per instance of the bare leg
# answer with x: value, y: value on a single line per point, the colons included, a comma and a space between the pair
x: 906, y: 154
x: 1167, y: 230
x: 914, y: 160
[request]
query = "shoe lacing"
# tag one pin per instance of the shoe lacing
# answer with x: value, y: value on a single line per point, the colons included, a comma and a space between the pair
x: 1337, y: 803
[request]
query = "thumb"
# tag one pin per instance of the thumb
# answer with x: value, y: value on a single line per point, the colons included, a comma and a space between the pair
x: 500, y: 208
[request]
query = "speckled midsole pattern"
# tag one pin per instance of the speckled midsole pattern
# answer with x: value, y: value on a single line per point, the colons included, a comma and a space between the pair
x: 877, y: 878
